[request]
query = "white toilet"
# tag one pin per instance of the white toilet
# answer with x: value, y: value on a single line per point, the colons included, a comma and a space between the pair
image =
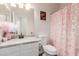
x: 49, y: 50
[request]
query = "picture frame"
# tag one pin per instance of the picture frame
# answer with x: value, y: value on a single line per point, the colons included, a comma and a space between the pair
x: 42, y: 15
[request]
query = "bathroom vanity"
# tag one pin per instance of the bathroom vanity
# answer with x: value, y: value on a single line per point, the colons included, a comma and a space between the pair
x: 24, y: 23
x: 28, y: 46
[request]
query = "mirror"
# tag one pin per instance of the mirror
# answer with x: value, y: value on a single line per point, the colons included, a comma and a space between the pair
x: 24, y: 20
x: 4, y: 13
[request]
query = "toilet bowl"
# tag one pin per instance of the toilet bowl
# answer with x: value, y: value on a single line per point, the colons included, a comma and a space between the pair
x: 48, y: 50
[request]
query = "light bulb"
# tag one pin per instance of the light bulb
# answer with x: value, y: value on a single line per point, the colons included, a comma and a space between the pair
x: 28, y: 6
x: 7, y: 6
x: 21, y: 5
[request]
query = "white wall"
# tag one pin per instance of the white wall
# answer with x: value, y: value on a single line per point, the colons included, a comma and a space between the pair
x: 42, y: 27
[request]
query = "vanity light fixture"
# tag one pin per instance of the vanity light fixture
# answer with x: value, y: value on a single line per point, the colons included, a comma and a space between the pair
x: 7, y: 6
x: 13, y: 4
x: 28, y: 6
x: 1, y: 3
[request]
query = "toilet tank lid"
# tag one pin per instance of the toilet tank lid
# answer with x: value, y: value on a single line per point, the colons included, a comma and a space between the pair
x: 42, y: 35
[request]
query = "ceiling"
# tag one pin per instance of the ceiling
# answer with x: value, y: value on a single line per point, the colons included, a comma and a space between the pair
x: 51, y: 7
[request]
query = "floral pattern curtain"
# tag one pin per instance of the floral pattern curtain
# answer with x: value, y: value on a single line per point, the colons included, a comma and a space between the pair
x: 64, y: 30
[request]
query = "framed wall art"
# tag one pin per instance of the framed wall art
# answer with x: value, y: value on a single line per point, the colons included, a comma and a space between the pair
x: 42, y: 15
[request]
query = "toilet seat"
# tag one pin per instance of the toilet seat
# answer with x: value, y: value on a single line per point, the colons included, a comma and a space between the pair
x: 51, y: 50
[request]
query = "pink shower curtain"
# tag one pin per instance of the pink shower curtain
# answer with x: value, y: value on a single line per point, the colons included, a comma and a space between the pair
x: 64, y: 31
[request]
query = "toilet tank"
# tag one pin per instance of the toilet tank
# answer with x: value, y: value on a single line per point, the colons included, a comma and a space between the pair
x: 44, y: 39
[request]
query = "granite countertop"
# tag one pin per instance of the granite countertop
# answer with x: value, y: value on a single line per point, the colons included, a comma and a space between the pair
x: 17, y: 41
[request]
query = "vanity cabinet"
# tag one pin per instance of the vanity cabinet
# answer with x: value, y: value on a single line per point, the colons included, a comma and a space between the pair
x: 26, y: 49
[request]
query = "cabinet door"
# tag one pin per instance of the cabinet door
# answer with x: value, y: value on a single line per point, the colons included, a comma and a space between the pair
x: 20, y: 50
x: 10, y: 51
x: 29, y: 49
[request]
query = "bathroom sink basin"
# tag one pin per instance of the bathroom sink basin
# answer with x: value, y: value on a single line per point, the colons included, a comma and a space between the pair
x: 19, y: 41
